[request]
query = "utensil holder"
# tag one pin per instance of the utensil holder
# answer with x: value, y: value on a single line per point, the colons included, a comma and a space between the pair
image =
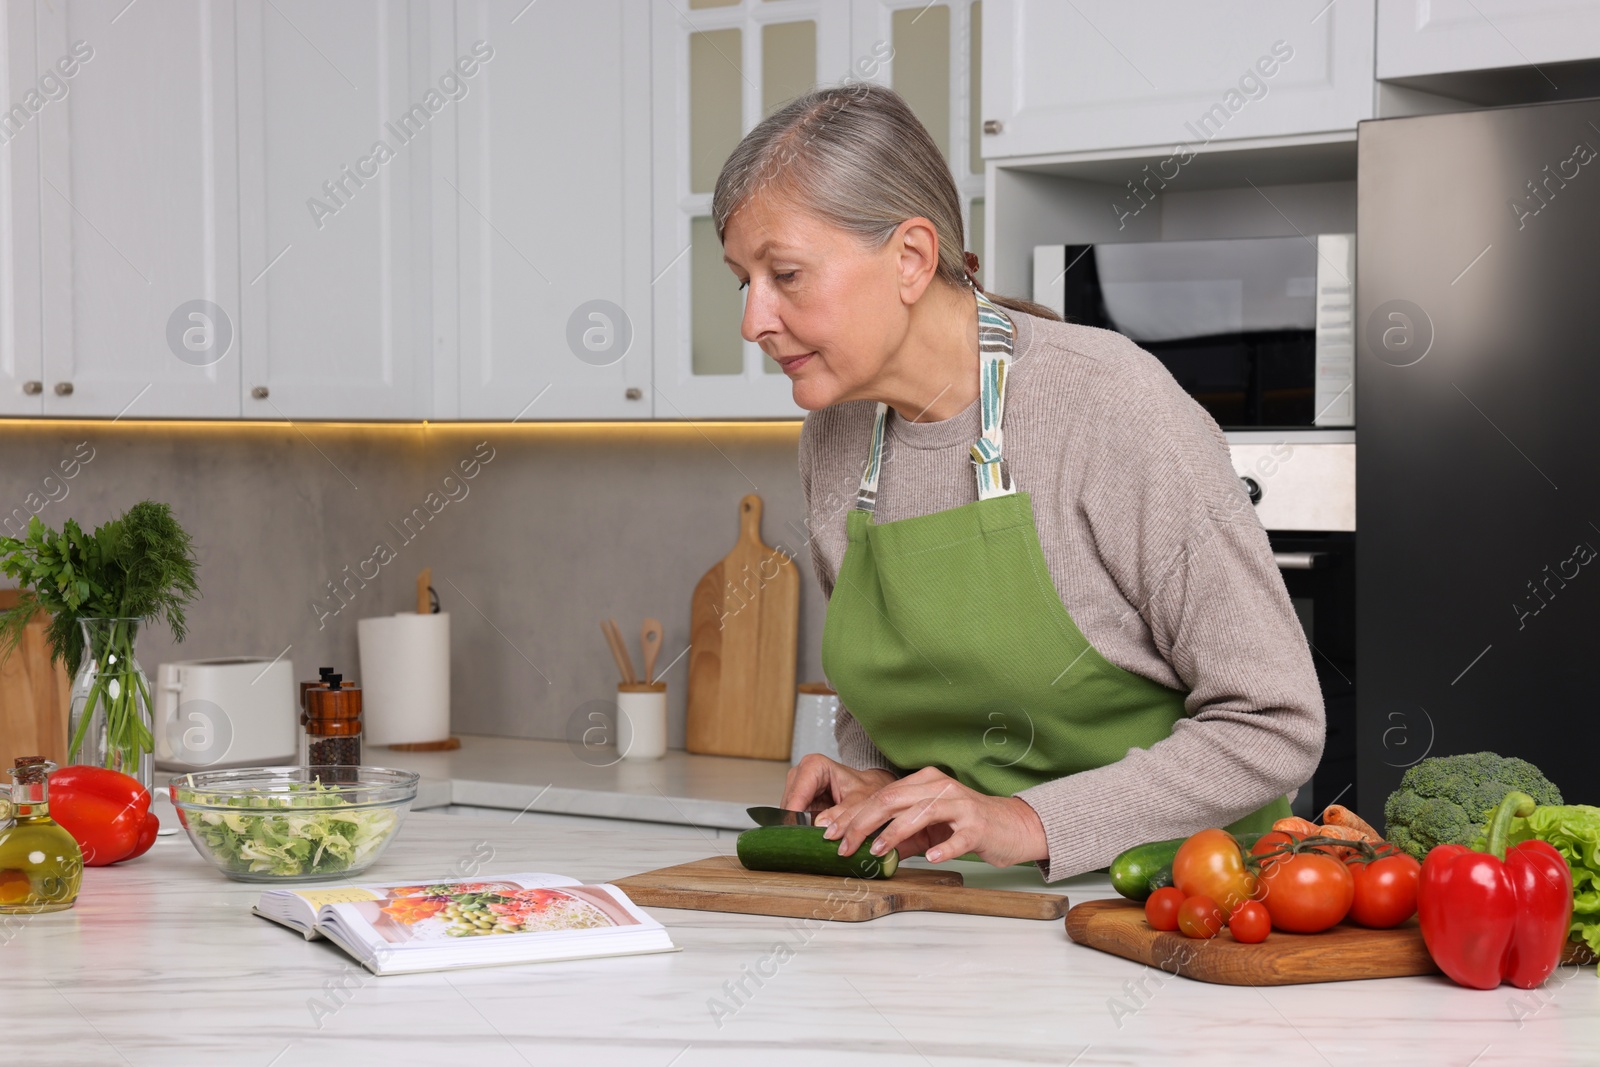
x: 816, y: 708
x: 642, y: 720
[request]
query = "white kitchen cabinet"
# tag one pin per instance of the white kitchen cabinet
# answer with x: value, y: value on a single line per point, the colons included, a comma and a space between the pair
x: 1104, y: 74
x: 340, y: 118
x: 1422, y: 37
x: 21, y: 362
x: 931, y: 54
x: 137, y: 208
x: 717, y: 70
x: 550, y: 201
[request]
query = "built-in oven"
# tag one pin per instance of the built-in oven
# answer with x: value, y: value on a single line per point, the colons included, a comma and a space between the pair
x: 1258, y: 330
x: 1302, y: 486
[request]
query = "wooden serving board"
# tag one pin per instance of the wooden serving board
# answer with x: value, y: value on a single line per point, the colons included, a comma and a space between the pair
x: 744, y: 624
x: 34, y: 695
x: 1345, y: 953
x: 721, y: 883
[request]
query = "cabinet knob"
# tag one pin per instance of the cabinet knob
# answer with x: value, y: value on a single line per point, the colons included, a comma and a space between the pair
x: 259, y: 392
x: 993, y: 126
x: 63, y: 389
x: 634, y: 393
x: 32, y: 388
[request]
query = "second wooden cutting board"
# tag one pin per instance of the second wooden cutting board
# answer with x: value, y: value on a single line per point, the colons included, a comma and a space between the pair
x: 721, y: 883
x: 1342, y: 954
x: 743, y: 627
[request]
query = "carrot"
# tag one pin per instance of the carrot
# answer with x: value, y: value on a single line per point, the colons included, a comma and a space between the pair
x: 1339, y: 815
x: 1343, y: 833
x: 1296, y: 826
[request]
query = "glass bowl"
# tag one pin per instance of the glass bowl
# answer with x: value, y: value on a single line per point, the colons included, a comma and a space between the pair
x: 293, y: 824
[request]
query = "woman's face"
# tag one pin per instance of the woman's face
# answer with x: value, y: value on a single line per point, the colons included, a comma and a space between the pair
x: 830, y: 311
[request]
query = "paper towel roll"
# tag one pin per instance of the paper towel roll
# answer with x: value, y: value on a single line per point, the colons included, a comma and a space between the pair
x: 405, y: 678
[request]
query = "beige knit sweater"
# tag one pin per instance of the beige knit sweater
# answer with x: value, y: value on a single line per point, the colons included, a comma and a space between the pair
x: 1157, y: 555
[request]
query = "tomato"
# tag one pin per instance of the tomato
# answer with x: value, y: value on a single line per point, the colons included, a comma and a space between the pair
x: 1199, y: 917
x: 1161, y: 910
x: 1250, y: 922
x: 1210, y: 864
x: 1386, y: 890
x: 1270, y: 842
x: 1307, y: 893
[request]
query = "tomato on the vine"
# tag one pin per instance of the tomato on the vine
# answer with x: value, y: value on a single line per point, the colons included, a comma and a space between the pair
x: 1199, y: 916
x: 1161, y: 910
x: 1385, y: 890
x: 1307, y: 892
x: 1271, y: 842
x: 1250, y: 923
x: 1209, y: 864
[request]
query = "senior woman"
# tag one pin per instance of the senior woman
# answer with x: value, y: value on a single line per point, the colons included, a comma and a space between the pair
x: 1054, y: 621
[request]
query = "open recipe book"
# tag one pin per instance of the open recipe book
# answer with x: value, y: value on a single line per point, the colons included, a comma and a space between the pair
x: 519, y: 918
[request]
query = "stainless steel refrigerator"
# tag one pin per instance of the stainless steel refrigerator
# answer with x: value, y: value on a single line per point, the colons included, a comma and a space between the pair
x: 1478, y: 441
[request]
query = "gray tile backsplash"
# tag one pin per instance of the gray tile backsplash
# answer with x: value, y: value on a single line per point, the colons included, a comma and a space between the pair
x: 555, y: 529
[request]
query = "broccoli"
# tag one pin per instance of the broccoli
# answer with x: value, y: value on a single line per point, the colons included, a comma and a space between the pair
x: 1444, y: 800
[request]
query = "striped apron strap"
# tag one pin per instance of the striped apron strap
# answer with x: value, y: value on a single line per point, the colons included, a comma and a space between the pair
x: 996, y: 341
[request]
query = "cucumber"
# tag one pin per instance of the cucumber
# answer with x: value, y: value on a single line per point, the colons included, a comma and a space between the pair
x: 1131, y: 872
x: 803, y: 850
x: 1145, y: 868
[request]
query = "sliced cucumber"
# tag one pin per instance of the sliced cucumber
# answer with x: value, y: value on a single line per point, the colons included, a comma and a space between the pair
x: 803, y: 850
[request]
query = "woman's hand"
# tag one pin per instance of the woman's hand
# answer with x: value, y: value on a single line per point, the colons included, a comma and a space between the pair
x: 930, y: 812
x: 823, y: 786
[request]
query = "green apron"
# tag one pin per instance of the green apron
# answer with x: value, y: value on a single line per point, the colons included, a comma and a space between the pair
x: 947, y: 641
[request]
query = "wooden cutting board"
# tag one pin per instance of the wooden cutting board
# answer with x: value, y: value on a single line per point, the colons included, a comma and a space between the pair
x: 34, y: 696
x: 744, y: 626
x: 720, y: 883
x: 1342, y: 954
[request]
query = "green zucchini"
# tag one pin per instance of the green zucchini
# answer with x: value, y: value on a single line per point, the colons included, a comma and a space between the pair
x: 1143, y: 869
x: 803, y: 850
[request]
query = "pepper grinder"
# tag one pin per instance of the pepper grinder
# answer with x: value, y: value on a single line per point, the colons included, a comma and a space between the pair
x: 332, y: 734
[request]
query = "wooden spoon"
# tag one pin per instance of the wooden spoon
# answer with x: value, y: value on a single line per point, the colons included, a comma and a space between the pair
x: 650, y: 643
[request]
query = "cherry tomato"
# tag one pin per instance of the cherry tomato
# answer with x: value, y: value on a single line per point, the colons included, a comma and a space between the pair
x: 1161, y: 910
x: 1386, y: 890
x: 1199, y: 917
x: 1250, y: 922
x: 1209, y: 864
x: 1307, y: 893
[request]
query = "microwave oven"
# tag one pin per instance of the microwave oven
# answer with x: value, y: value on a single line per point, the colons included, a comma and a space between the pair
x: 1259, y: 330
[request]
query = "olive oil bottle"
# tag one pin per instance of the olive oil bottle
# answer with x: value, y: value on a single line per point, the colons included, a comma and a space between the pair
x: 41, y: 866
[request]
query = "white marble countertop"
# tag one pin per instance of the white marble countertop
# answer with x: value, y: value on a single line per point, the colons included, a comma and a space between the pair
x: 161, y: 964
x: 554, y: 777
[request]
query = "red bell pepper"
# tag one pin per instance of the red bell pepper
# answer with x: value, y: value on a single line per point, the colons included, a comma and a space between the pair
x: 106, y: 812
x: 1500, y: 915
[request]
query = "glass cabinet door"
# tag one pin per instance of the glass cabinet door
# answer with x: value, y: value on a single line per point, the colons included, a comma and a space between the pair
x: 935, y: 52
x: 720, y: 67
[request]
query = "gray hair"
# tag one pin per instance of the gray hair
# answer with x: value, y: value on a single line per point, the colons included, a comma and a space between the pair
x: 856, y: 157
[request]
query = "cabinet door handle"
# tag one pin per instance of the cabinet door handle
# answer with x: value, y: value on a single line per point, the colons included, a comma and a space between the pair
x: 259, y: 392
x: 63, y: 389
x: 992, y: 126
x: 634, y: 393
x: 32, y: 388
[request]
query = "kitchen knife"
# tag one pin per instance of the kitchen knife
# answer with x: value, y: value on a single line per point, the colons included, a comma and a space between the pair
x: 769, y: 816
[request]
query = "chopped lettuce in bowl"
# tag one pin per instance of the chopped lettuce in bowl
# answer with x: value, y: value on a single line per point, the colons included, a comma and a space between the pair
x: 293, y: 824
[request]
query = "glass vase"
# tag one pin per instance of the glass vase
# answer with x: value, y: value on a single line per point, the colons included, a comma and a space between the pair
x: 111, y: 721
